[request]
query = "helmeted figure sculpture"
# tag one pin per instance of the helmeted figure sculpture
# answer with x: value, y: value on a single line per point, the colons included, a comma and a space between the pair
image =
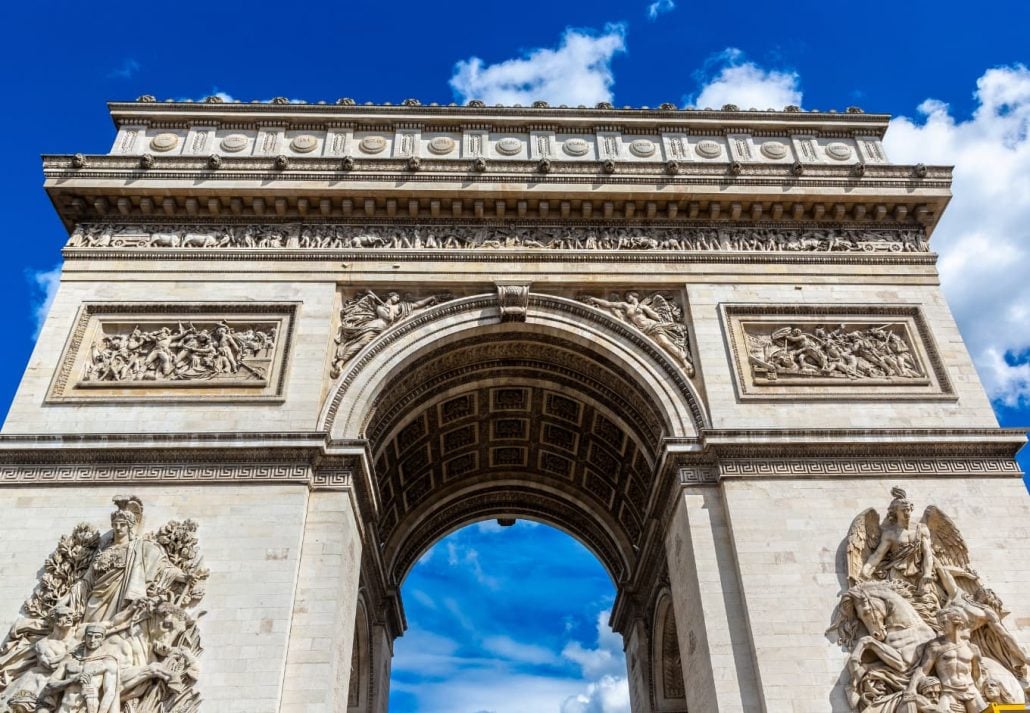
x: 107, y: 628
x: 922, y: 629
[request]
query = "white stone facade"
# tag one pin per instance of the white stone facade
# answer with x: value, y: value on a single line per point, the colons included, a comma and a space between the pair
x: 562, y: 347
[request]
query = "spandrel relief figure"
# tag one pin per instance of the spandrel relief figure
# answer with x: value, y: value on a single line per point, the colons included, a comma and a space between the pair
x: 367, y: 315
x: 856, y: 352
x: 922, y: 630
x: 108, y: 628
x: 184, y: 352
x: 656, y: 316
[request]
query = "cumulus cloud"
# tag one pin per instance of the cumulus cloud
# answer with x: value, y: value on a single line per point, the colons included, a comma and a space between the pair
x: 577, y: 72
x: 984, y: 237
x: 44, y: 285
x: 659, y: 7
x: 730, y: 78
x: 126, y: 70
x: 605, y: 668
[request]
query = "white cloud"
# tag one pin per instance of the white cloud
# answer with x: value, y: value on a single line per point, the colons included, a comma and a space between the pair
x: 45, y: 285
x: 519, y: 652
x: 605, y: 668
x: 492, y: 691
x: 659, y: 7
x: 577, y: 72
x: 125, y: 70
x: 984, y: 237
x: 736, y: 80
x: 609, y: 695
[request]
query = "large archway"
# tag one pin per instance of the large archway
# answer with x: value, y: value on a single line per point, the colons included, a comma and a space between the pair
x: 562, y: 418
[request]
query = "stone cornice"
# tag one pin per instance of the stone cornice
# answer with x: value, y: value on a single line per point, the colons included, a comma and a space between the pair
x: 654, y: 119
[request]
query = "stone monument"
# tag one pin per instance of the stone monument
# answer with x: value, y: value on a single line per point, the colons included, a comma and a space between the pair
x: 314, y: 338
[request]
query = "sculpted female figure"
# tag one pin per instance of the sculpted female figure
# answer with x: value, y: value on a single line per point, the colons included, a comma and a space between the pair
x: 905, y: 550
x: 124, y: 572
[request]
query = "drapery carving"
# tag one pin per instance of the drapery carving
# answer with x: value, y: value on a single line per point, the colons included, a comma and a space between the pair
x: 110, y: 625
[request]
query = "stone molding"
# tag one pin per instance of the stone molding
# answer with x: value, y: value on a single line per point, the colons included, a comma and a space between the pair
x: 743, y: 324
x: 97, y: 321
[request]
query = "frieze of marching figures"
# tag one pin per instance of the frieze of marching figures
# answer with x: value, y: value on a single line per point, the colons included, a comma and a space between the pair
x: 923, y: 632
x: 112, y: 623
x: 430, y: 237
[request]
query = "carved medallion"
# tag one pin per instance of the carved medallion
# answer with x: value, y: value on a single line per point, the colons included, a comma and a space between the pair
x: 838, y: 151
x: 440, y: 145
x: 305, y: 143
x: 708, y: 148
x: 922, y: 630
x: 642, y: 148
x: 372, y: 144
x: 774, y: 150
x: 112, y: 619
x: 509, y: 146
x: 164, y: 142
x: 576, y: 147
x: 234, y: 143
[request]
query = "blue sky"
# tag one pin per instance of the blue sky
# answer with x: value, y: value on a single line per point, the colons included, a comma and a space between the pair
x: 953, y: 73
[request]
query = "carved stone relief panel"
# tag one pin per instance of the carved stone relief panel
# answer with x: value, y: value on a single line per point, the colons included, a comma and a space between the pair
x: 144, y: 351
x: 832, y: 351
x: 657, y: 316
x: 922, y: 629
x: 111, y: 624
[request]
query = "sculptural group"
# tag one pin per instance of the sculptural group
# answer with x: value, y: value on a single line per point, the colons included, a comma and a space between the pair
x: 181, y: 352
x: 923, y: 632
x: 109, y: 626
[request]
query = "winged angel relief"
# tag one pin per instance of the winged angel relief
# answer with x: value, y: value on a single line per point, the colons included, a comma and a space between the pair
x: 657, y: 316
x: 924, y: 632
x: 108, y: 627
x: 367, y: 315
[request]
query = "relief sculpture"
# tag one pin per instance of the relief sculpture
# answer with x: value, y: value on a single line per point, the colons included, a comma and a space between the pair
x: 181, y: 352
x: 367, y: 315
x: 854, y: 352
x: 657, y: 316
x: 439, y: 237
x: 923, y: 632
x: 110, y: 626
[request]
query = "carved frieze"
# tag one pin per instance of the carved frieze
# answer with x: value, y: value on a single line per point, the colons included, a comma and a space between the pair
x: 922, y: 630
x: 111, y: 624
x: 465, y: 237
x: 831, y: 351
x: 145, y: 351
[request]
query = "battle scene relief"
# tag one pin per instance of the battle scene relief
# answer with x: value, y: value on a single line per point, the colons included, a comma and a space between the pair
x: 923, y: 632
x: 112, y: 623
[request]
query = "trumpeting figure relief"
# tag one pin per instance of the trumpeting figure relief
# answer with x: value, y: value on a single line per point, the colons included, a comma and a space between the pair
x: 656, y: 316
x: 922, y: 630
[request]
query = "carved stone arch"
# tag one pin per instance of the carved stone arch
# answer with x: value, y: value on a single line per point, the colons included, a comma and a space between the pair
x: 361, y: 686
x: 353, y: 394
x: 668, y: 693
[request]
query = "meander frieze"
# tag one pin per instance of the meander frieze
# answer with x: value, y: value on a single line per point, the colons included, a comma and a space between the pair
x: 112, y: 624
x: 143, y: 351
x: 374, y: 238
x: 922, y: 630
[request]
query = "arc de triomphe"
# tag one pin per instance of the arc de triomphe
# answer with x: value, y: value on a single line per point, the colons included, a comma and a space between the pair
x: 296, y: 344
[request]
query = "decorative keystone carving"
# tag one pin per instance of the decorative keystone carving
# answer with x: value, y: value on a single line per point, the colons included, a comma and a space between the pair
x: 922, y: 630
x: 544, y: 165
x: 366, y: 316
x: 514, y: 302
x: 347, y: 164
x: 479, y: 165
x: 657, y: 316
x: 282, y: 162
x: 110, y: 625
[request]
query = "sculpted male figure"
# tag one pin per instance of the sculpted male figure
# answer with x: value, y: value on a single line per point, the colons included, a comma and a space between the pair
x: 88, y: 677
x: 955, y: 661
